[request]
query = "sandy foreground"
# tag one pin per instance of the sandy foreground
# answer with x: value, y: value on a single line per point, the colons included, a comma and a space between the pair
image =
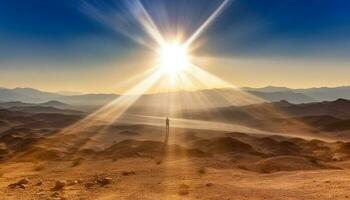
x: 140, y: 178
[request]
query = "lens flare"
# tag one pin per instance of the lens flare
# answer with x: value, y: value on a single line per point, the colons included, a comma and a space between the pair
x: 173, y: 58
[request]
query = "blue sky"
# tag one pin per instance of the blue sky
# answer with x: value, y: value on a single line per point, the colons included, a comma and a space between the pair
x: 59, y: 33
x: 287, y: 27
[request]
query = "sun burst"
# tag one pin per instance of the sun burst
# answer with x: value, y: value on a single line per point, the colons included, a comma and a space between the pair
x: 174, y: 58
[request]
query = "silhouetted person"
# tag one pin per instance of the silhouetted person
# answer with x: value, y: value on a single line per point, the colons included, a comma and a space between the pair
x: 167, y: 124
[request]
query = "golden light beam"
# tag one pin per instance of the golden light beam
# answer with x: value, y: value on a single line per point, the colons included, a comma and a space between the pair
x: 207, y: 22
x: 121, y: 104
x: 212, y: 81
x: 114, y: 109
x: 147, y: 23
x: 95, y: 123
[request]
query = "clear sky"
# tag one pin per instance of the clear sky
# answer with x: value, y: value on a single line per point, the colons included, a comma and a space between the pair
x: 66, y: 46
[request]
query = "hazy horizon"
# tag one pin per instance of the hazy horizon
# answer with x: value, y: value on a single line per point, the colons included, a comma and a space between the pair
x: 71, y: 92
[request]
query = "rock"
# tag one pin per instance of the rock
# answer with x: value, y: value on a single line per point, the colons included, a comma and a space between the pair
x: 59, y: 185
x: 39, y: 183
x: 71, y: 182
x: 55, y: 194
x: 40, y: 193
x: 128, y: 173
x: 209, y: 184
x: 104, y: 181
x: 23, y: 181
x: 21, y: 184
x: 89, y: 184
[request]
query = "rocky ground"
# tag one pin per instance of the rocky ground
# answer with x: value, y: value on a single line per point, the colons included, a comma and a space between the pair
x: 141, y: 178
x: 39, y: 160
x: 237, y: 166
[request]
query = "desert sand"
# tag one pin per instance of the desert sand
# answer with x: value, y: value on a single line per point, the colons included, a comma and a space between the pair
x: 134, y: 178
x: 194, y: 166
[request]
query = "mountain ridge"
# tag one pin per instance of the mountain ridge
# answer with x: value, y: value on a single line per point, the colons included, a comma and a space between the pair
x: 269, y: 93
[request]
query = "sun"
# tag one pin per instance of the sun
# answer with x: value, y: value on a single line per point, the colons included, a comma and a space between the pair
x: 173, y: 58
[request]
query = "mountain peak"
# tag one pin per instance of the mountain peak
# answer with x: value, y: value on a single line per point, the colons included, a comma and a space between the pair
x: 282, y: 103
x: 341, y: 100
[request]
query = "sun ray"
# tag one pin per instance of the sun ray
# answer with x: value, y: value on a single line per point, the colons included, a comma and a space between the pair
x: 137, y: 15
x: 147, y: 23
x: 207, y: 22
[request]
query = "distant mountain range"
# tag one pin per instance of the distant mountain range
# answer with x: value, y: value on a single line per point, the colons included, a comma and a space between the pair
x: 47, y: 107
x: 217, y: 97
x: 279, y: 116
x: 30, y: 95
x: 221, y: 105
x: 310, y: 94
x: 10, y: 104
